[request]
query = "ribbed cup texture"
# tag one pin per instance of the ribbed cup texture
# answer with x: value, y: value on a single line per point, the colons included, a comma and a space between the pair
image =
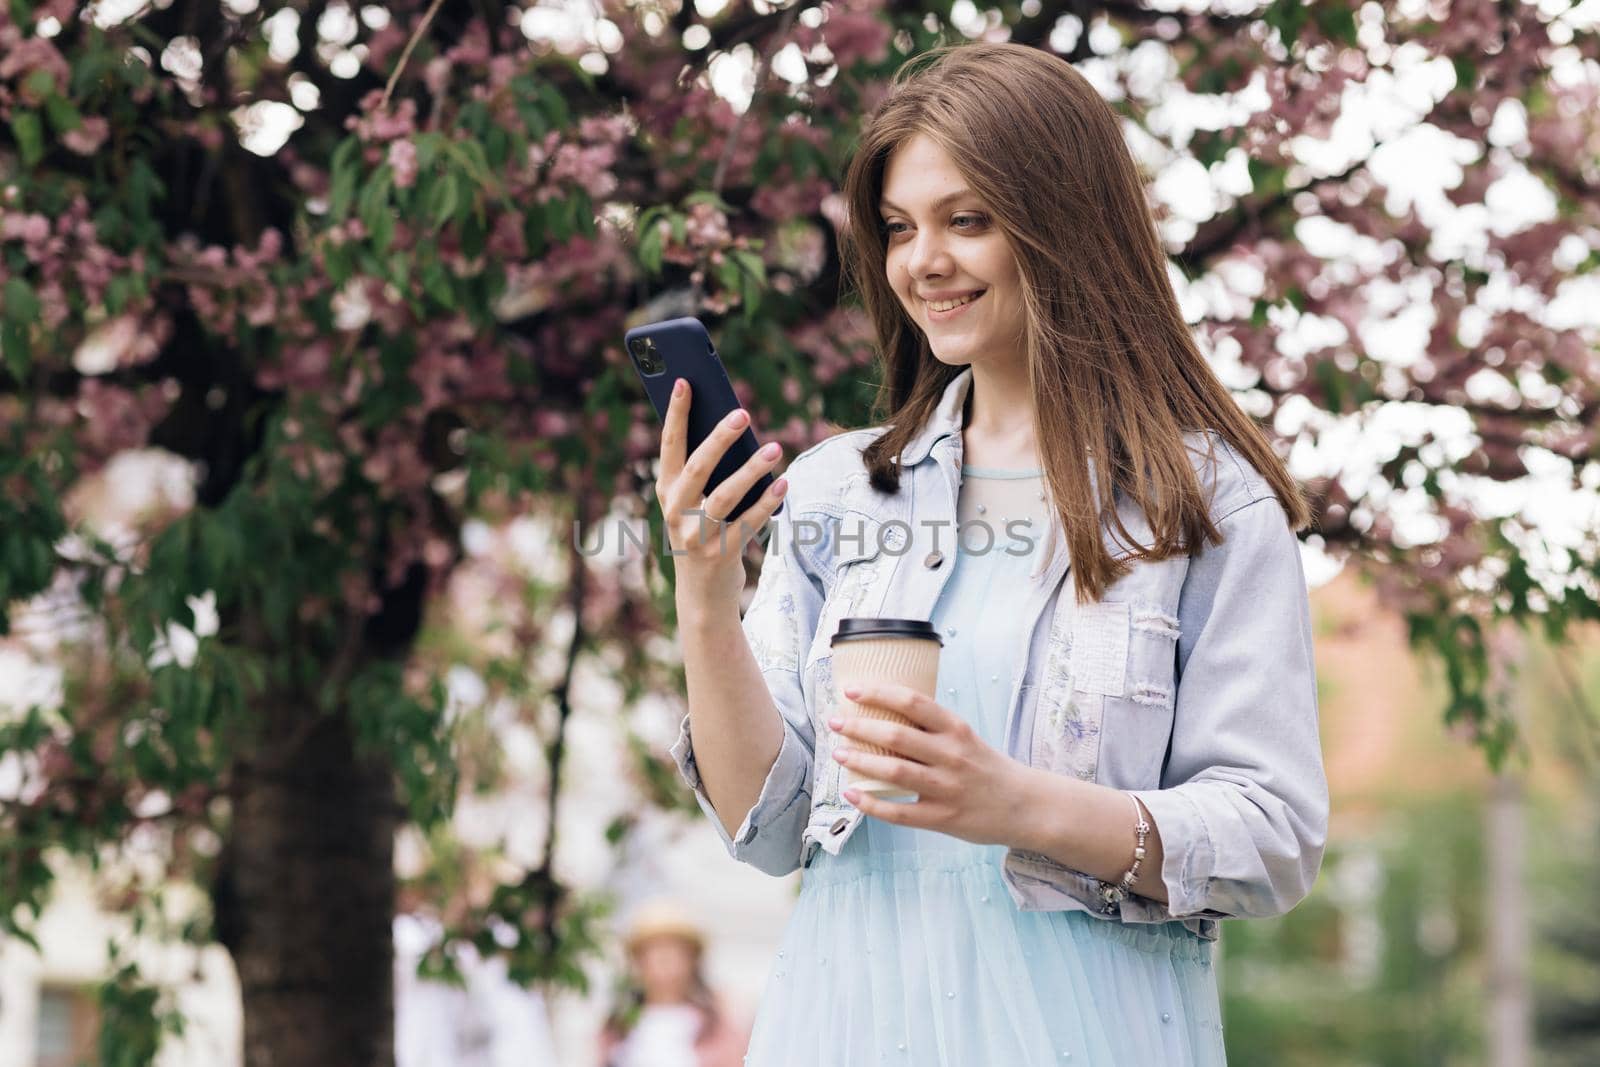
x: 908, y: 661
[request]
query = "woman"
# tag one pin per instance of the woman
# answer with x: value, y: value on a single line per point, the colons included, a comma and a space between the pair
x: 668, y: 1016
x: 1110, y: 764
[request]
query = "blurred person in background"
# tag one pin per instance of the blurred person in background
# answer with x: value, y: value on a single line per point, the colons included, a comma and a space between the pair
x: 487, y: 1021
x: 667, y: 1015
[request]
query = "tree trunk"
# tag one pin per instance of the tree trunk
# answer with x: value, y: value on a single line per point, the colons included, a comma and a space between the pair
x: 1510, y: 998
x: 305, y: 898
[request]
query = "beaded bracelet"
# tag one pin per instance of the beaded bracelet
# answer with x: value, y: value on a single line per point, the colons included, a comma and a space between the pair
x: 1113, y: 895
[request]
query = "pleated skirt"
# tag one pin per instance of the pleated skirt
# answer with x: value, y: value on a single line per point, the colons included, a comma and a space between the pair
x: 920, y: 957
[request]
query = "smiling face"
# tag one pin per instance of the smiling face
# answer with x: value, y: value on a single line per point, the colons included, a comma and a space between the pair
x: 942, y: 246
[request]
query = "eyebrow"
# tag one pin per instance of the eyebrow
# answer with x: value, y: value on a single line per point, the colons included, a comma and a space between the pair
x: 884, y: 205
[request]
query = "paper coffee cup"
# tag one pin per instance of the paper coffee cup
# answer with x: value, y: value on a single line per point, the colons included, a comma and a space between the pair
x: 869, y: 651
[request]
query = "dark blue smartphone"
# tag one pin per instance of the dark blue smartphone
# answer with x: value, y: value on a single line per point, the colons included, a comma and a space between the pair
x: 663, y: 352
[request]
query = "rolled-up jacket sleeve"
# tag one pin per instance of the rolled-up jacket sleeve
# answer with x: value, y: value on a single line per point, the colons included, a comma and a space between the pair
x: 1243, y: 806
x: 778, y: 626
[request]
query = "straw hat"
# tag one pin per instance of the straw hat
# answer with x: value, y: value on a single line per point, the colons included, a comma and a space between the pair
x: 662, y: 918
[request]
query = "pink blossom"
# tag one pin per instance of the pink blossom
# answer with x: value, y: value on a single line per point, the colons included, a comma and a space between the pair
x: 436, y: 75
x: 473, y: 48
x: 853, y: 36
x: 63, y: 11
x: 707, y: 226
x: 403, y: 160
x: 785, y: 198
x: 114, y: 418
x: 376, y: 126
x: 383, y: 46
x: 587, y: 167
x: 34, y: 229
x: 301, y: 367
x: 506, y: 241
x: 21, y: 59
x: 91, y: 133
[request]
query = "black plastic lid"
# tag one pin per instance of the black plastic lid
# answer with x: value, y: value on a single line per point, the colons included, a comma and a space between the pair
x: 854, y: 628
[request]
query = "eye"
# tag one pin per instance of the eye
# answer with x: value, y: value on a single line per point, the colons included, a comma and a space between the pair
x: 965, y: 221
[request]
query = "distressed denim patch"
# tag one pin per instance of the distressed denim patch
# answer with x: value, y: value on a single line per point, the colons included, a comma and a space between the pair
x: 1100, y: 649
x: 1154, y: 621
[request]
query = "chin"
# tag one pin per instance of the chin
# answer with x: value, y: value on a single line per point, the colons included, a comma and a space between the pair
x: 952, y: 361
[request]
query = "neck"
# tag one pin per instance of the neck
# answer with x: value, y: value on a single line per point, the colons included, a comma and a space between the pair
x: 999, y: 427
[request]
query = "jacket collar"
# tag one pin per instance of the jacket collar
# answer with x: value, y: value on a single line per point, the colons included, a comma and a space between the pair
x: 946, y: 420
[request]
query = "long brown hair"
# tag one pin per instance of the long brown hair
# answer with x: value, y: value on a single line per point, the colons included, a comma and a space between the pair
x: 1115, y: 372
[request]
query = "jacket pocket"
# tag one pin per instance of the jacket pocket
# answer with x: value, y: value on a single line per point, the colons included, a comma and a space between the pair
x: 852, y: 555
x: 825, y: 770
x: 1137, y: 728
x: 1080, y: 665
x: 1108, y: 684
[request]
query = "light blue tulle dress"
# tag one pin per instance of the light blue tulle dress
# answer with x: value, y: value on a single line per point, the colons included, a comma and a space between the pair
x: 907, y: 949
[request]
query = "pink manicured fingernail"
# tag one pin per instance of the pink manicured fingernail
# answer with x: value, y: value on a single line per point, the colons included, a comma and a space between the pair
x: 677, y: 387
x: 834, y: 724
x: 851, y: 795
x: 841, y: 754
x: 770, y: 450
x: 852, y: 691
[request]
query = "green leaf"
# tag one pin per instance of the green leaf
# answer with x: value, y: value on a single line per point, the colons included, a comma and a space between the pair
x: 651, y: 248
x: 446, y: 196
x: 706, y: 196
x: 29, y: 132
x: 1211, y: 146
x: 1288, y: 17
x: 1266, y: 178
x: 21, y: 305
x: 63, y: 115
x: 16, y: 350
x: 497, y: 147
x: 555, y: 105
x: 40, y: 82
x: 427, y: 145
x: 346, y: 170
x: 375, y: 211
x: 436, y: 283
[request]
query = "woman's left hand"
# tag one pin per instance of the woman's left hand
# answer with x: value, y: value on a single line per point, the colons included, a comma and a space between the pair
x: 964, y: 787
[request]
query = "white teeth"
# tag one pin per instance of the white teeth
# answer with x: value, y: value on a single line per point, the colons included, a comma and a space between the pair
x: 946, y: 305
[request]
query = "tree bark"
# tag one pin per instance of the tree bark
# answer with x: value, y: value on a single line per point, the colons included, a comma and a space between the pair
x: 305, y: 896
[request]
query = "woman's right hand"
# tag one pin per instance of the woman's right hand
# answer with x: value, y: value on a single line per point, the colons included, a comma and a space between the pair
x: 710, y: 562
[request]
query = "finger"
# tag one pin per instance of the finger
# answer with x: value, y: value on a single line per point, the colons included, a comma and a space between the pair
x: 921, y: 709
x: 760, y: 513
x: 689, y: 488
x: 675, y: 432
x: 733, y: 488
x: 899, y: 813
x: 754, y: 517
x: 891, y: 769
x: 911, y: 742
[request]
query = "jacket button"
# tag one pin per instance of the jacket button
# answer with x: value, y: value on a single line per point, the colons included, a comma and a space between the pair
x: 838, y: 826
x: 933, y: 559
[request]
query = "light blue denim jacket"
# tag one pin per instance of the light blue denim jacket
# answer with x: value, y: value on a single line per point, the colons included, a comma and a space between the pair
x: 1190, y: 684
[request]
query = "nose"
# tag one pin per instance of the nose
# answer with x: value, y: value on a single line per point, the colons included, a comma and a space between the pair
x: 928, y: 256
